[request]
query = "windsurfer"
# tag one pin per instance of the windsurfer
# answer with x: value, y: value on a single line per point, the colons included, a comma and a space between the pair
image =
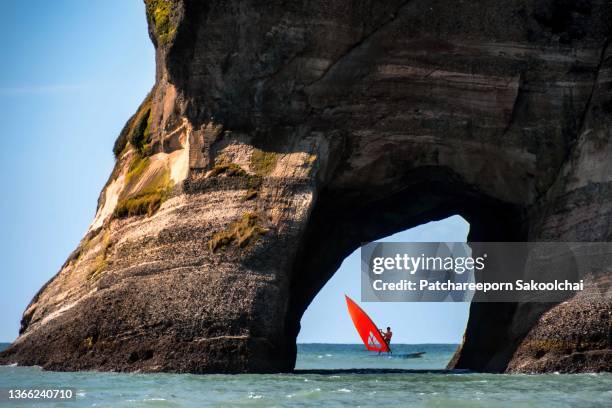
x: 387, y: 338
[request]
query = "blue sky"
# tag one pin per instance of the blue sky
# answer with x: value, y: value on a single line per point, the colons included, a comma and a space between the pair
x: 73, y: 72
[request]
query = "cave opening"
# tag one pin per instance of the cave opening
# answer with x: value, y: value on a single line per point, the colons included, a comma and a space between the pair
x: 327, y: 337
x: 348, y: 215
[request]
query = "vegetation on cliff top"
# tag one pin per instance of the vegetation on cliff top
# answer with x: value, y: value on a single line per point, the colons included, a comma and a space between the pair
x: 240, y: 232
x: 160, y: 14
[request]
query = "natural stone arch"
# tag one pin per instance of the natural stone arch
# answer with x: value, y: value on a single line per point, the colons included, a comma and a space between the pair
x: 341, y: 222
x: 275, y: 129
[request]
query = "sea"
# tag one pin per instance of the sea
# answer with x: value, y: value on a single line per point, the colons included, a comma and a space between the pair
x: 326, y: 375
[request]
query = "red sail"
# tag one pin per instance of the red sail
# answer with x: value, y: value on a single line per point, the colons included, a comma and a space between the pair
x: 369, y: 333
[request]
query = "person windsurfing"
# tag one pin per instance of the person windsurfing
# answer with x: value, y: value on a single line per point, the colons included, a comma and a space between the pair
x: 372, y: 337
x: 387, y: 338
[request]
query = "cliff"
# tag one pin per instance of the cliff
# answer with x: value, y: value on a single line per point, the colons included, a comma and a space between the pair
x: 280, y: 135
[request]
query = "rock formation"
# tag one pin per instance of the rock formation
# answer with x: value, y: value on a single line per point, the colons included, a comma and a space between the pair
x: 280, y: 135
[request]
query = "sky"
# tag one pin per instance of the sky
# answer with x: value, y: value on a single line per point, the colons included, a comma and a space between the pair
x: 72, y: 73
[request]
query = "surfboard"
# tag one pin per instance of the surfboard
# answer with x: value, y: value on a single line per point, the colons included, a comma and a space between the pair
x: 369, y: 333
x: 412, y: 355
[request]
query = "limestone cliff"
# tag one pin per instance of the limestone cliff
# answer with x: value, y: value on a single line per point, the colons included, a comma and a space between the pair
x: 280, y: 135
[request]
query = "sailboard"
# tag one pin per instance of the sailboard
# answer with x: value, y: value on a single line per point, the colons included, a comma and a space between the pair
x: 412, y: 355
x: 369, y: 333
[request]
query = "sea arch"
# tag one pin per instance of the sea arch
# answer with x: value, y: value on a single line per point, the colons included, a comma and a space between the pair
x: 278, y: 137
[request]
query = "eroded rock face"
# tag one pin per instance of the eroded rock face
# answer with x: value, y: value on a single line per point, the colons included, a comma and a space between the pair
x: 281, y: 135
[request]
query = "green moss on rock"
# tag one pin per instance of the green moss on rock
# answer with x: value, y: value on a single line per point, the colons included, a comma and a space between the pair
x: 145, y: 203
x: 136, y: 130
x: 88, y: 343
x: 228, y: 169
x: 141, y: 132
x: 263, y: 163
x: 100, y: 263
x: 137, y: 167
x: 254, y: 183
x: 239, y: 233
x: 149, y: 197
x: 160, y: 14
x: 251, y: 194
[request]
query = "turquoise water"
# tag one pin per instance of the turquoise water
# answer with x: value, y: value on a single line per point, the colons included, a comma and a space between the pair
x: 326, y: 376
